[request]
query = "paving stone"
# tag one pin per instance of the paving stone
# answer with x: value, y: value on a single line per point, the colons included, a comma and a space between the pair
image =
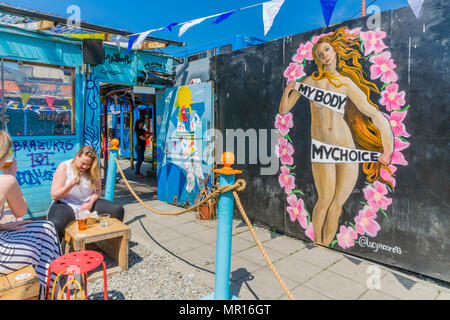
x: 240, y: 267
x: 255, y: 255
x: 165, y: 235
x: 239, y: 244
x: 203, y: 256
x: 296, y: 270
x: 265, y: 286
x: 189, y: 228
x: 305, y: 293
x: 285, y: 244
x: 319, y: 256
x: 207, y: 235
x: 335, y: 286
x: 183, y: 244
x: 373, y: 294
x: 357, y: 270
x: 262, y: 234
x: 405, y: 288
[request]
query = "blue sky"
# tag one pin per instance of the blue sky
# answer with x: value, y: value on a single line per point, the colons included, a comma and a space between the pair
x: 294, y: 17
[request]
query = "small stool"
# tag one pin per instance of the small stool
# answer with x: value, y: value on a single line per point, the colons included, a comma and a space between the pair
x: 22, y: 284
x: 79, y: 262
x: 114, y: 239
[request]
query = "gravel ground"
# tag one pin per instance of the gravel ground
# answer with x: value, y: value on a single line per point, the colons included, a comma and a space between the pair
x: 149, y: 277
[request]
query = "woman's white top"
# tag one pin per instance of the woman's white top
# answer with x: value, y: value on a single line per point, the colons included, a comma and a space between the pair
x: 79, y: 193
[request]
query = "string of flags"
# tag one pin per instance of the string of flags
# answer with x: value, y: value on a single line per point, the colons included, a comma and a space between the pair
x: 50, y: 100
x: 270, y: 10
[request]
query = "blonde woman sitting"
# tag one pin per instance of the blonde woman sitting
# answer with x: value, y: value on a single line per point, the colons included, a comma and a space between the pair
x: 76, y: 186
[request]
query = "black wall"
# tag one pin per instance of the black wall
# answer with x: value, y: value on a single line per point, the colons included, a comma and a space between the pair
x: 248, y: 87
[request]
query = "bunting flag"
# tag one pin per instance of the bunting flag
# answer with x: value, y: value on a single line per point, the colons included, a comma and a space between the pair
x: 70, y: 100
x: 169, y: 27
x: 223, y: 17
x: 270, y: 11
x: 50, y: 101
x: 130, y: 43
x: 327, y: 9
x: 117, y: 44
x: 416, y: 6
x: 190, y: 24
x: 25, y: 97
x: 141, y: 38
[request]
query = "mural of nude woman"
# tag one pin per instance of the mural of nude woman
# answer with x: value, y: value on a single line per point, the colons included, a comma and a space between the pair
x: 361, y: 126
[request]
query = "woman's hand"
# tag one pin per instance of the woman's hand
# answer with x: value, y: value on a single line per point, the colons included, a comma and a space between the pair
x: 289, y: 87
x: 12, y: 170
x: 86, y: 206
x: 385, y: 158
x: 75, y: 181
x: 11, y: 226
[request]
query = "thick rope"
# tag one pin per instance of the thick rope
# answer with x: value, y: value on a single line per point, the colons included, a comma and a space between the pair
x: 239, y: 185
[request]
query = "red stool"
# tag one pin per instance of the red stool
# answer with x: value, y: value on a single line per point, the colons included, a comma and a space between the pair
x: 76, y: 263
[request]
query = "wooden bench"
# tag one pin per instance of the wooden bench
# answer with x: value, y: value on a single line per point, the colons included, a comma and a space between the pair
x: 22, y: 284
x: 113, y: 240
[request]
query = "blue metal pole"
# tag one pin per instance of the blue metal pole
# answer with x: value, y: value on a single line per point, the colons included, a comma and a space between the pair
x: 223, y: 246
x: 111, y: 175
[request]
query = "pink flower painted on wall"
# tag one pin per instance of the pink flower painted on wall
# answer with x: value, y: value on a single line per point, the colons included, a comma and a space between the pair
x: 309, y: 232
x: 316, y: 38
x: 372, y: 41
x: 286, y: 180
x: 296, y: 210
x: 375, y: 196
x: 284, y: 150
x: 397, y: 156
x: 391, y: 98
x: 346, y: 236
x: 294, y: 71
x: 396, y: 121
x: 385, y: 175
x: 353, y: 33
x: 304, y: 52
x: 383, y: 66
x: 283, y: 123
x: 366, y: 223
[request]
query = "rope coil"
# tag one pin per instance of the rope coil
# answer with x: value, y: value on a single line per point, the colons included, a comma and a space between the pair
x: 238, y: 186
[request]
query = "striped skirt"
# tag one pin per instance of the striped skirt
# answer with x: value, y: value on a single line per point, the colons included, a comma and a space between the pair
x: 37, y: 245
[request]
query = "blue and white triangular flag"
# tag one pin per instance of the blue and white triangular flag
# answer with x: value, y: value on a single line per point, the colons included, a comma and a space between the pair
x: 270, y: 11
x: 169, y: 27
x: 190, y: 24
x: 223, y: 17
x: 130, y: 43
x: 327, y: 10
x: 416, y: 6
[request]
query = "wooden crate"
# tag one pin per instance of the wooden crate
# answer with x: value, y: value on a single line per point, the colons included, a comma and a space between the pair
x: 22, y: 284
x: 113, y: 239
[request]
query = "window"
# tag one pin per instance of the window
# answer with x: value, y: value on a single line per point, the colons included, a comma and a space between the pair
x: 227, y: 48
x: 38, y: 100
x: 197, y: 56
x: 212, y: 52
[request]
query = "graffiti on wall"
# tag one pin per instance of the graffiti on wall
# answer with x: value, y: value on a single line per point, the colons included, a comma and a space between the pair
x: 356, y: 121
x: 38, y: 160
x: 92, y: 116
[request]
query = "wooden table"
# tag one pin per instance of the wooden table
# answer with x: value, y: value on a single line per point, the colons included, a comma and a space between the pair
x: 113, y: 240
x: 22, y: 284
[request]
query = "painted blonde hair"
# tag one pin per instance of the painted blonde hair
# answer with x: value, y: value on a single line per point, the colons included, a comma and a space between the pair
x: 94, y: 171
x: 364, y: 132
x: 5, y: 145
